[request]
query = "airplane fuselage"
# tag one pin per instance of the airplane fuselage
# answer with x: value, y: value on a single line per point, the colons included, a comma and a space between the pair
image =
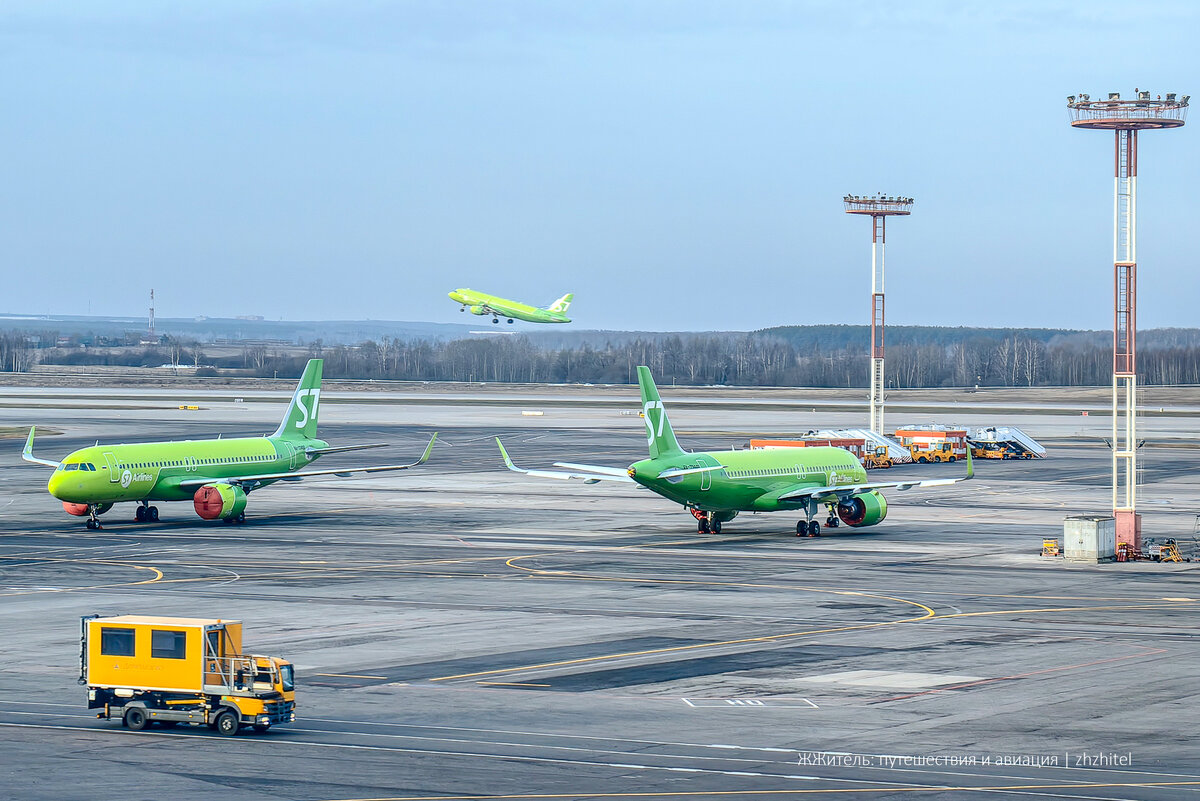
x: 752, y: 480
x: 152, y: 471
x: 482, y: 304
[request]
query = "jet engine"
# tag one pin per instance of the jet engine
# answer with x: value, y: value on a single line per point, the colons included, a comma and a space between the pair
x: 480, y: 310
x: 865, y: 509
x: 81, y: 509
x: 219, y: 501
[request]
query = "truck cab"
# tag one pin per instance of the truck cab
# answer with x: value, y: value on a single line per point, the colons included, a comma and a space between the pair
x: 167, y: 671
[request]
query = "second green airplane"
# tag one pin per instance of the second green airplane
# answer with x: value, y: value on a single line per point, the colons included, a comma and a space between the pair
x: 483, y: 304
x: 715, y: 486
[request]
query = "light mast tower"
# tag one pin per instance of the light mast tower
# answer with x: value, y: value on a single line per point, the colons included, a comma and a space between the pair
x: 1125, y: 118
x: 878, y: 208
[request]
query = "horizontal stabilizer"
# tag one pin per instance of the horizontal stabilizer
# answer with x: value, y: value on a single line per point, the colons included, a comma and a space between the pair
x: 591, y: 468
x: 672, y: 472
x: 588, y: 474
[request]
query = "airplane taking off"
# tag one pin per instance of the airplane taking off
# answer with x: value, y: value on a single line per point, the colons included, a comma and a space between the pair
x: 215, y: 474
x: 482, y: 304
x: 716, y: 485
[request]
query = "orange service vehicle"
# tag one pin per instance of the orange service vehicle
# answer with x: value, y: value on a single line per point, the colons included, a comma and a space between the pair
x: 934, y: 444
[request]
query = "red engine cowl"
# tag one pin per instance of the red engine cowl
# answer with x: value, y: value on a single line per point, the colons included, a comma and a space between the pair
x: 219, y: 501
x: 77, y: 509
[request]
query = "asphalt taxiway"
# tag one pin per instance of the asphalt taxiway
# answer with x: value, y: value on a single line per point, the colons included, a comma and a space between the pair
x: 461, y: 631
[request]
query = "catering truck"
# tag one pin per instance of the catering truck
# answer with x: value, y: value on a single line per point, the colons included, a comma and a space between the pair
x: 172, y: 670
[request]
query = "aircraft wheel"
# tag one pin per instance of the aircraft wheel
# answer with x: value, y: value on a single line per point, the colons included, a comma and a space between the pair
x: 139, y: 514
x: 702, y: 527
x: 801, y: 528
x: 241, y: 518
x: 716, y: 527
x: 93, y: 524
x: 152, y: 514
x: 814, y: 528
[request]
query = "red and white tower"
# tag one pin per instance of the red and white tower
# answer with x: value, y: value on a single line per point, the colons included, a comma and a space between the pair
x: 878, y: 208
x: 1125, y: 118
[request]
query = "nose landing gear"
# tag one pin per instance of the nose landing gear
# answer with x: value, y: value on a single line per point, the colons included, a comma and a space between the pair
x: 93, y: 521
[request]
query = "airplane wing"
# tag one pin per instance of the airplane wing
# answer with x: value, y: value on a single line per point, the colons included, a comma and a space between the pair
x: 27, y: 453
x: 252, y: 480
x: 589, y: 474
x: 343, y: 448
x: 843, y: 491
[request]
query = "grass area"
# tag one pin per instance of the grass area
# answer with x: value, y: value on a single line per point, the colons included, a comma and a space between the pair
x: 20, y: 432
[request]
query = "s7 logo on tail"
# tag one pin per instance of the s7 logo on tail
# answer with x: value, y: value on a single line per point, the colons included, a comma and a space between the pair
x: 315, y: 394
x: 646, y: 407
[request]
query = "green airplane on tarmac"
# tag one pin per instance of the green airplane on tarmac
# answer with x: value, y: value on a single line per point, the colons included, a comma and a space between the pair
x: 216, y: 475
x: 482, y: 304
x: 715, y: 486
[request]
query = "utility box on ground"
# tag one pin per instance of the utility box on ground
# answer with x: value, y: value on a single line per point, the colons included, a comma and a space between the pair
x: 1089, y: 538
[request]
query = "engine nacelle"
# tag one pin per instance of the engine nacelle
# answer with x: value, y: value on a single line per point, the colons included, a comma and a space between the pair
x: 866, y: 509
x: 81, y: 509
x: 219, y: 501
x: 480, y: 310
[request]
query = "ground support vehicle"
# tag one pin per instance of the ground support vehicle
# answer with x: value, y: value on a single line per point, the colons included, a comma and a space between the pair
x: 877, y: 460
x: 172, y: 670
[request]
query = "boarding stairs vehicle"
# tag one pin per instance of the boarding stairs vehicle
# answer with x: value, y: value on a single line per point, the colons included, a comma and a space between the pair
x: 895, y: 451
x: 1009, y: 442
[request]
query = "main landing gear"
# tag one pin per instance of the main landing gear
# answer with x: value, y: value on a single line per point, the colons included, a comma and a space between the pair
x: 706, y: 522
x: 145, y: 513
x: 236, y: 520
x: 808, y: 528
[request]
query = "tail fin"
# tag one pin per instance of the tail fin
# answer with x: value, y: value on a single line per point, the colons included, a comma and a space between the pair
x: 562, y: 303
x: 300, y: 422
x: 659, y: 434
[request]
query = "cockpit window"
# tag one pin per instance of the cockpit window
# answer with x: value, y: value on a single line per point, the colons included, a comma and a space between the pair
x: 70, y: 467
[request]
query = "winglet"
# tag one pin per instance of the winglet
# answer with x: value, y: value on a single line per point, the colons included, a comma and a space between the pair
x: 970, y: 464
x: 27, y: 453
x: 509, y: 463
x: 428, y: 450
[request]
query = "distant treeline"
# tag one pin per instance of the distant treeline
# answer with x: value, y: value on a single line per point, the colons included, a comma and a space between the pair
x: 799, y: 356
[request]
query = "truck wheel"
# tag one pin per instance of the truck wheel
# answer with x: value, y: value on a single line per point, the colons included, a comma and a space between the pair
x: 227, y: 724
x: 261, y: 727
x: 136, y: 718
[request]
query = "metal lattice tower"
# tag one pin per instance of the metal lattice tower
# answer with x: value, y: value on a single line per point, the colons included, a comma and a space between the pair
x: 150, y: 335
x: 878, y: 208
x: 1125, y: 118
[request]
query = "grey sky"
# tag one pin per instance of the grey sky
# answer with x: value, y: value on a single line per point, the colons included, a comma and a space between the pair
x: 678, y: 165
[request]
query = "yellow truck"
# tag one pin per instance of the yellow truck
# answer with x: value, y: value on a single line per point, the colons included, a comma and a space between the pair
x: 172, y: 670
